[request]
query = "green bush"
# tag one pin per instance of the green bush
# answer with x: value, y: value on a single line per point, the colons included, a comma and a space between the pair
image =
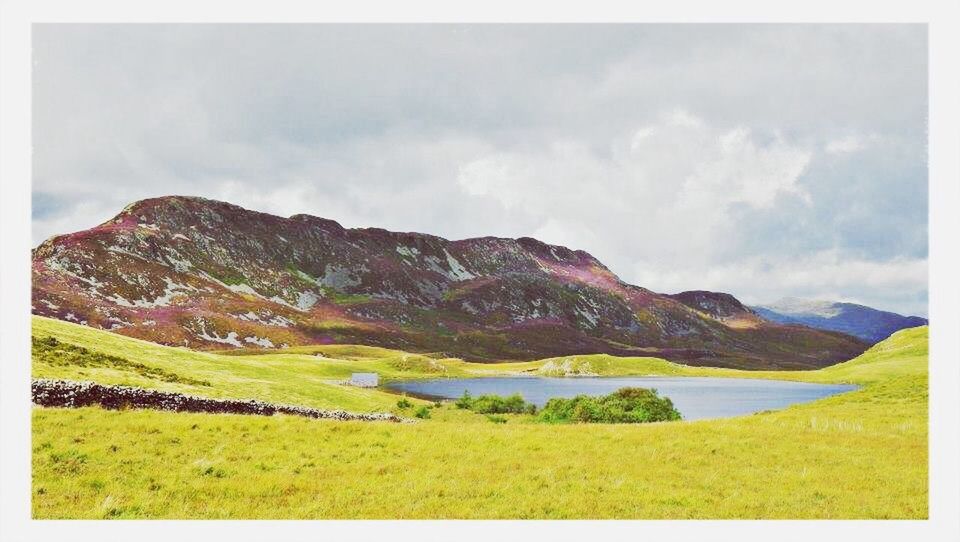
x: 626, y: 405
x: 496, y: 404
x: 496, y: 419
x: 464, y: 402
x: 423, y: 413
x: 403, y: 403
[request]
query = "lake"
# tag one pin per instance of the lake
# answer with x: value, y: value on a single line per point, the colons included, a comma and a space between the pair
x: 695, y: 397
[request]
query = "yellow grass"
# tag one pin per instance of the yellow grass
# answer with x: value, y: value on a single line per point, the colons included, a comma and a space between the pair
x: 861, y: 454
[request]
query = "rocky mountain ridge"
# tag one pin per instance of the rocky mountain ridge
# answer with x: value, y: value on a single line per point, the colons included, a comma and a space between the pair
x: 207, y: 274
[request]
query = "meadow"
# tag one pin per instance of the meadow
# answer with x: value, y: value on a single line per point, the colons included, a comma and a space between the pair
x: 861, y: 454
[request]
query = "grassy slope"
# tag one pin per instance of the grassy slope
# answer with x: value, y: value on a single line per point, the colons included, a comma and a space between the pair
x: 857, y: 455
x: 296, y: 378
x: 903, y: 355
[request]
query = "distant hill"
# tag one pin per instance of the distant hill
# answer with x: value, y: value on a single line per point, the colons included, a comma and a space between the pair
x: 210, y: 275
x: 871, y: 325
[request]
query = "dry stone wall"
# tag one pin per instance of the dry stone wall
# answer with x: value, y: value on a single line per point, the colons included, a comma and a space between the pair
x: 71, y: 394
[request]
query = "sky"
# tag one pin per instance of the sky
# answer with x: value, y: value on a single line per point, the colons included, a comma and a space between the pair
x: 766, y: 161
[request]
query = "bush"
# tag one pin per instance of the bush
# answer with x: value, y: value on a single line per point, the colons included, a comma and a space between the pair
x: 465, y: 402
x: 626, y: 405
x: 496, y: 404
x: 403, y: 403
x: 496, y: 419
x: 423, y: 413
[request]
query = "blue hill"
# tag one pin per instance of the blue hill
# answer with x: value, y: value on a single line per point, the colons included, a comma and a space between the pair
x: 866, y: 323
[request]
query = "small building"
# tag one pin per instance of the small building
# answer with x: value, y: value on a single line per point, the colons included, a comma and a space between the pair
x: 365, y: 380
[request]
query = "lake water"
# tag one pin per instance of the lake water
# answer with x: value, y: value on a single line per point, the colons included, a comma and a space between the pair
x: 695, y: 397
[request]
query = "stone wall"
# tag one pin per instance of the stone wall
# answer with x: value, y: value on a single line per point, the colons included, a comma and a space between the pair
x: 65, y: 393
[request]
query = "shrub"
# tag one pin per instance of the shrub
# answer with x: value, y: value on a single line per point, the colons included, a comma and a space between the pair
x: 464, y: 402
x: 403, y: 403
x: 626, y: 405
x: 496, y: 404
x: 496, y: 419
x: 423, y: 413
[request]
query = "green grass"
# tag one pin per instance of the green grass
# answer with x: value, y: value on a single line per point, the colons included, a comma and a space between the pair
x: 299, y: 377
x: 51, y: 352
x: 861, y: 454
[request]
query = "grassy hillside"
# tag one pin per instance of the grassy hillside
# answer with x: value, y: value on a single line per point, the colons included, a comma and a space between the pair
x: 861, y: 454
x: 904, y: 354
x: 302, y: 378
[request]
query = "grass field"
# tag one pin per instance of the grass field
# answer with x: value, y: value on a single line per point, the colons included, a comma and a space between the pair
x: 861, y: 454
x: 297, y: 378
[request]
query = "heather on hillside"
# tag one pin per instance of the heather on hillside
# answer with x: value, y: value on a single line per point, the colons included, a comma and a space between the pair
x: 204, y: 274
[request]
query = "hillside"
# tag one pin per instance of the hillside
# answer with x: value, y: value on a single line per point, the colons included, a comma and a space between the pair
x: 869, y: 324
x: 210, y: 275
x: 305, y: 378
x: 902, y: 355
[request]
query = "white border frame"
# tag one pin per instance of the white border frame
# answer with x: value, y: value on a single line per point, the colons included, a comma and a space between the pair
x: 15, y: 136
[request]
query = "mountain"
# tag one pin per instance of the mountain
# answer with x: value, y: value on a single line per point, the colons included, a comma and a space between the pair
x: 722, y: 307
x: 208, y: 274
x: 867, y: 323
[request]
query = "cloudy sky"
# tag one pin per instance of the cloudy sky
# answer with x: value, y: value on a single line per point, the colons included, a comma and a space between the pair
x: 761, y: 160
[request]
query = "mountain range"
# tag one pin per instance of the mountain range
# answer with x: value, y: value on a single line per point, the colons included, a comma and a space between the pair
x: 866, y: 323
x: 210, y: 275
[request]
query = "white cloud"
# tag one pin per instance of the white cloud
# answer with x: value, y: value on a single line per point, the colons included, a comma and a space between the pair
x: 659, y: 209
x: 683, y: 119
x: 671, y: 148
x: 846, y: 145
x: 895, y: 284
x: 741, y: 171
x: 500, y: 176
x: 666, y: 174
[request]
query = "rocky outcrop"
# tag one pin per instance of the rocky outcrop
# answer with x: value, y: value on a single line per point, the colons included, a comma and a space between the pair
x: 70, y: 394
